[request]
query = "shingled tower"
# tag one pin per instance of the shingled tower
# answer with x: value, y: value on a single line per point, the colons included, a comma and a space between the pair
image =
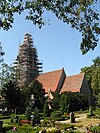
x: 27, y: 61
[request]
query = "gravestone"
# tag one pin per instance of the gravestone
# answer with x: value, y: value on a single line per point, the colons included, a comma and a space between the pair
x: 90, y: 112
x: 72, y: 118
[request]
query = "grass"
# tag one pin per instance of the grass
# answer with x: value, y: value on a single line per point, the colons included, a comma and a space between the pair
x: 81, y: 121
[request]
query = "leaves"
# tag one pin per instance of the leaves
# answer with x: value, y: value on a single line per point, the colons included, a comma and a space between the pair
x: 93, y: 77
x: 78, y: 13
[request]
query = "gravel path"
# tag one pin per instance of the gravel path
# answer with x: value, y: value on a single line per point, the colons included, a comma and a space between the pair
x: 81, y: 122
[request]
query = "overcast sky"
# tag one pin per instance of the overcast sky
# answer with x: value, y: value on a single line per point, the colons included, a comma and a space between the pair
x: 57, y: 44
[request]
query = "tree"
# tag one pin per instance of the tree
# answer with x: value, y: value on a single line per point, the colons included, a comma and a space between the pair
x: 78, y: 13
x: 12, y: 95
x: 46, y: 109
x: 73, y: 102
x: 64, y: 103
x: 93, y: 77
x: 8, y: 72
x: 28, y: 112
x: 38, y: 92
x: 26, y: 96
x: 1, y: 53
x: 55, y: 101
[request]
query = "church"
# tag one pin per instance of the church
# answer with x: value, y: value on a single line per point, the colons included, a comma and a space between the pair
x: 57, y: 82
x: 53, y: 82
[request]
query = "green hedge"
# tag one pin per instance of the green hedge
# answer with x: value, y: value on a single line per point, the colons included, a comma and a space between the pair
x: 95, y: 129
x: 7, y: 128
x: 4, y: 117
x: 23, y: 129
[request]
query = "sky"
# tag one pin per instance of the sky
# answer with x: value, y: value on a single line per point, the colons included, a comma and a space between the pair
x: 57, y: 44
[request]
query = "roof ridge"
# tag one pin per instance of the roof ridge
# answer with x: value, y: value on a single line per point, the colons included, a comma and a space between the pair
x: 76, y: 75
x: 52, y: 71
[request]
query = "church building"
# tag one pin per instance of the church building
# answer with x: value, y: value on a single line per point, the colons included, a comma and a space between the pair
x: 53, y: 82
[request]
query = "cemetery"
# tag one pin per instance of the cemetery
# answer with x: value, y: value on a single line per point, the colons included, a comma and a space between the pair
x: 31, y: 102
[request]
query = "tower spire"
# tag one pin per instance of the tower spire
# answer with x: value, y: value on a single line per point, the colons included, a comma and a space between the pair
x: 28, y: 62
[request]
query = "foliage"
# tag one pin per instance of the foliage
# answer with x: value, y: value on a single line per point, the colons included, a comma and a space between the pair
x: 93, y: 77
x: 36, y: 112
x: 8, y: 72
x: 97, y: 111
x: 64, y: 103
x: 6, y: 128
x: 38, y: 92
x: 23, y: 129
x: 12, y: 95
x: 28, y: 112
x: 26, y: 95
x: 95, y: 129
x: 56, y: 114
x: 78, y: 13
x: 55, y: 101
x: 53, y: 130
x: 73, y: 102
x: 4, y: 117
x: 1, y: 54
x: 46, y: 109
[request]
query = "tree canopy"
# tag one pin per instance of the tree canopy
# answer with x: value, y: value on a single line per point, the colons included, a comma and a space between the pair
x: 37, y: 90
x: 80, y: 14
x: 12, y: 95
x: 93, y: 77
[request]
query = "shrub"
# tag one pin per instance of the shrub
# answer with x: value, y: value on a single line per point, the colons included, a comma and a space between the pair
x: 28, y: 112
x: 56, y: 114
x: 53, y: 130
x: 95, y: 129
x: 25, y: 129
x: 46, y: 109
x: 6, y: 128
x: 4, y: 117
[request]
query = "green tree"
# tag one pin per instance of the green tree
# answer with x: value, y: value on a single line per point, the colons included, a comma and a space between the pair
x: 26, y: 96
x: 46, y: 109
x: 93, y: 77
x: 12, y: 95
x: 64, y: 103
x: 55, y: 102
x: 80, y: 14
x: 8, y: 72
x: 36, y: 112
x: 1, y: 54
x: 28, y: 112
x: 38, y: 92
x: 73, y: 102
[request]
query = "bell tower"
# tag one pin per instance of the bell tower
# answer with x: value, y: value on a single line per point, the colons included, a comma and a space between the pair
x: 27, y: 61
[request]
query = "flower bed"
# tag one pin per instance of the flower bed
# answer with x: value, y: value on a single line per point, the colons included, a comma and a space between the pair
x: 25, y: 121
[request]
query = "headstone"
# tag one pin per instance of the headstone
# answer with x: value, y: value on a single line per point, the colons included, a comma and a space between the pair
x: 90, y: 112
x: 1, y: 125
x: 72, y: 118
x: 32, y: 122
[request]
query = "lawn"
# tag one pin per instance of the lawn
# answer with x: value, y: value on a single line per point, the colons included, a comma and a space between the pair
x: 81, y: 121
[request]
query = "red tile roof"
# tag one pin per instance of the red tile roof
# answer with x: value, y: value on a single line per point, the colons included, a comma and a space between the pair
x: 50, y: 80
x: 73, y: 83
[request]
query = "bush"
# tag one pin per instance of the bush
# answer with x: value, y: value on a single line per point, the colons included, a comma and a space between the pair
x: 53, y: 130
x: 56, y: 114
x: 25, y: 130
x: 4, y: 117
x: 6, y: 128
x: 97, y: 111
x: 95, y: 129
x: 46, y: 109
x: 28, y: 113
